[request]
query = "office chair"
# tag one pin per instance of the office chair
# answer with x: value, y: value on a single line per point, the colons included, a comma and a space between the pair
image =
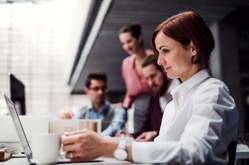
x: 232, y: 152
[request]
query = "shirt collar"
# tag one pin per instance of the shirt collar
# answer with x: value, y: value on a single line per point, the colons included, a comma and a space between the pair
x: 103, y: 108
x: 173, y: 84
x: 197, y: 78
x: 194, y: 80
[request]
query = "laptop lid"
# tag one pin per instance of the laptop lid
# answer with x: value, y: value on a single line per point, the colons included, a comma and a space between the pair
x: 23, y: 138
x: 19, y: 128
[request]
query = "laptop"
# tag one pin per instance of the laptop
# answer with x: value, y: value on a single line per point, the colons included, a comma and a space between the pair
x: 23, y: 139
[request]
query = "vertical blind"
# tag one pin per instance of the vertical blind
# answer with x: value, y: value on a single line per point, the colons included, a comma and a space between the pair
x: 36, y: 45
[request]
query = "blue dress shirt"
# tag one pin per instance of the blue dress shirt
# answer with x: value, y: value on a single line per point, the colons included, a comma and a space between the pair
x: 113, y: 118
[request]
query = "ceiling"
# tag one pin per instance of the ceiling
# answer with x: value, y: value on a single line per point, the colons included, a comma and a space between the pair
x: 106, y: 53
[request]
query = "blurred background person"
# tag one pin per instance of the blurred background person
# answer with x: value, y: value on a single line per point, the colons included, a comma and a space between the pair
x: 161, y: 87
x: 137, y: 89
x: 113, y: 117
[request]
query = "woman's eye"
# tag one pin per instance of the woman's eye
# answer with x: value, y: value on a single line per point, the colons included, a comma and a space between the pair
x: 165, y: 50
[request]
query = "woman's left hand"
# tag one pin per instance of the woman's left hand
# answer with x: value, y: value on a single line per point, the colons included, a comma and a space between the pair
x: 147, y: 136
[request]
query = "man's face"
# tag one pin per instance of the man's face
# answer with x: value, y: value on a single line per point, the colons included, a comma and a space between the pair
x: 96, y: 92
x: 155, y: 79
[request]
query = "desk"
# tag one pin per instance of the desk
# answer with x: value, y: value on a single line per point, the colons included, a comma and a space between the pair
x: 242, y: 151
x: 24, y: 161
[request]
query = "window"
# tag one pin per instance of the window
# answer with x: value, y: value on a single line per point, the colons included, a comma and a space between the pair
x: 38, y: 43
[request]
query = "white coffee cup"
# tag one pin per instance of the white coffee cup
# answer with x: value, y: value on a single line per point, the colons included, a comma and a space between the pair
x: 46, y: 148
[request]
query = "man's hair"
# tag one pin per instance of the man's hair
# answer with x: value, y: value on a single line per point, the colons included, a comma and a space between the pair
x: 95, y: 76
x: 151, y: 60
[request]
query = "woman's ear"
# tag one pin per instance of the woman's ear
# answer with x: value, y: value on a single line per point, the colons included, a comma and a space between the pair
x: 193, y: 49
x: 140, y: 39
x: 194, y: 55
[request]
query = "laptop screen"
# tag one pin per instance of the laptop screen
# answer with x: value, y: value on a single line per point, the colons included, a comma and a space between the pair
x: 19, y: 128
x: 17, y: 93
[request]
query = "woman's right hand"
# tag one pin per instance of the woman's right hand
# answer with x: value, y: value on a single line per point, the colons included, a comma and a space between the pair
x: 85, y: 145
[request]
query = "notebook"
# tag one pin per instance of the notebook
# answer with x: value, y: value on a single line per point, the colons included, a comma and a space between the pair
x: 23, y: 138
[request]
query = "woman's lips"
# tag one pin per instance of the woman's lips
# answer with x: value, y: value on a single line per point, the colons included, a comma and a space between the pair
x: 167, y: 69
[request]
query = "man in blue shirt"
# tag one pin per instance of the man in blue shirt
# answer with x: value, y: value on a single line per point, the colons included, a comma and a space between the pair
x: 113, y: 117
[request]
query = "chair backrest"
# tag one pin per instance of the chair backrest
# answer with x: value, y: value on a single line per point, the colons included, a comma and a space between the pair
x: 232, y: 152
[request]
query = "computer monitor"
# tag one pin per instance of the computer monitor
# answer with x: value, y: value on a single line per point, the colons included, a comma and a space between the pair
x: 17, y: 93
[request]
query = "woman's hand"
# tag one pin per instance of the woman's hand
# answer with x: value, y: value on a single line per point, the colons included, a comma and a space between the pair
x: 86, y: 145
x: 147, y: 136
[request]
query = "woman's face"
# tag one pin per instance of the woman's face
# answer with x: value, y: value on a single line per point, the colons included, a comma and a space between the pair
x: 129, y: 43
x: 174, y: 58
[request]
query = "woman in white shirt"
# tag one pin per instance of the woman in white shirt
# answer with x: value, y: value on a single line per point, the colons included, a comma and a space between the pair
x: 198, y: 124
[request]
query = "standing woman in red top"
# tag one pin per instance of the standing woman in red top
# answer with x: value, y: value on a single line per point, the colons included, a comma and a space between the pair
x: 137, y: 89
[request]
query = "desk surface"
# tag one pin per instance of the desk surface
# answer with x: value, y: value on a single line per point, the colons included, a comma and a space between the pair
x: 24, y: 161
x: 241, y: 153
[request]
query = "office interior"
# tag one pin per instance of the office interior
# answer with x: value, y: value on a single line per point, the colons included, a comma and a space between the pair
x: 51, y: 45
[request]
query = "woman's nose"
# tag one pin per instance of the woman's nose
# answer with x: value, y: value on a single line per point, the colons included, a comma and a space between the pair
x: 125, y: 46
x: 159, y: 60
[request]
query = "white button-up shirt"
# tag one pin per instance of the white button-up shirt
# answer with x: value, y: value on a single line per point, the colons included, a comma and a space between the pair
x: 166, y: 98
x: 197, y: 125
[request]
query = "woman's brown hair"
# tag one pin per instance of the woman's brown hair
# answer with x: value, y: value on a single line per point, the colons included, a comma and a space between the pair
x: 186, y: 27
